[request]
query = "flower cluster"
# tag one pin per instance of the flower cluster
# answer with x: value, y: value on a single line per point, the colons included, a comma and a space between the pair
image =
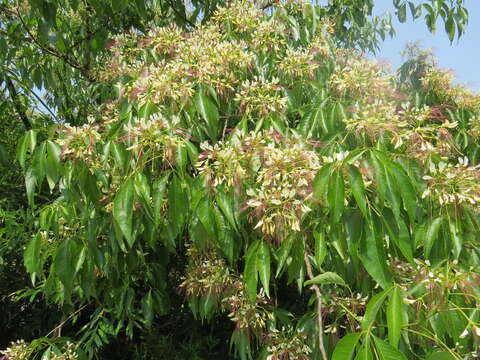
x: 247, y: 316
x: 20, y: 350
x: 242, y: 16
x: 475, y: 127
x: 17, y: 351
x: 440, y: 82
x: 164, y: 80
x: 155, y: 133
x: 169, y: 65
x: 248, y: 20
x: 373, y: 119
x: 69, y: 353
x: 165, y: 40
x: 206, y: 275
x: 79, y: 142
x: 350, y: 307
x: 298, y: 63
x: 453, y: 184
x: 203, y: 56
x: 424, y: 132
x: 288, y: 344
x: 436, y: 282
x: 260, y: 97
x: 276, y: 172
x: 361, y: 78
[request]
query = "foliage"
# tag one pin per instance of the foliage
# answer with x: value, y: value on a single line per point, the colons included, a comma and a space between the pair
x: 245, y: 161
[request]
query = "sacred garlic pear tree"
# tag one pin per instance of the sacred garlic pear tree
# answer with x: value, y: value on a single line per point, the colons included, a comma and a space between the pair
x: 250, y: 166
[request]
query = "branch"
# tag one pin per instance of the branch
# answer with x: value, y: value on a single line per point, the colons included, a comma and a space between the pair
x: 318, y: 294
x: 27, y: 88
x: 172, y: 5
x: 17, y: 103
x: 54, y: 52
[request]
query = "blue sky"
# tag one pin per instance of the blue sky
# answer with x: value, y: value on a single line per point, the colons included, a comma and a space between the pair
x: 463, y: 56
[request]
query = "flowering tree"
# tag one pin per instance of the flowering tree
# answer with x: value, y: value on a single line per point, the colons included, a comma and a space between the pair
x: 261, y: 173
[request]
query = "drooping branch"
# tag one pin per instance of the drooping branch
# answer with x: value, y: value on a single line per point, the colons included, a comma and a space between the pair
x: 319, y: 297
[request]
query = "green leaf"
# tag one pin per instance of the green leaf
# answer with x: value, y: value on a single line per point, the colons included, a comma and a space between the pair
x: 206, y: 215
x: 320, y: 248
x: 52, y: 163
x: 31, y: 256
x: 263, y: 265
x: 283, y: 253
x: 431, y: 235
x: 372, y: 254
x: 320, y: 183
x: 387, y: 351
x: 450, y: 27
x: 406, y: 190
x: 402, y: 13
x: 30, y: 185
x: 398, y: 232
x: 225, y: 204
x: 336, y: 194
x: 441, y: 355
x: 345, y: 348
x: 358, y: 189
x: 27, y: 143
x: 457, y: 239
x: 158, y: 191
x: 392, y: 188
x: 209, y: 112
x: 123, y: 210
x: 65, y: 263
x: 365, y: 352
x: 326, y: 278
x: 225, y: 237
x: 177, y: 206
x: 415, y: 10
x: 120, y: 156
x: 372, y: 309
x: 142, y: 189
x: 395, y: 320
x: 250, y: 271
x: 147, y: 308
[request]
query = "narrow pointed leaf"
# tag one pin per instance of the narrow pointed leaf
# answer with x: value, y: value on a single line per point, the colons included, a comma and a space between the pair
x: 320, y: 248
x: 31, y: 256
x: 345, y: 348
x: 123, y: 210
x: 263, y: 265
x: 431, y: 235
x: 395, y: 320
x: 283, y: 253
x: 373, y: 307
x: 358, y: 189
x: 250, y: 272
x: 326, y: 278
x: 387, y: 351
x: 336, y: 194
x: 320, y: 183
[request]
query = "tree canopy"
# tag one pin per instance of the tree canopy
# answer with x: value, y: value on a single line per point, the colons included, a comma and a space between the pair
x: 237, y: 172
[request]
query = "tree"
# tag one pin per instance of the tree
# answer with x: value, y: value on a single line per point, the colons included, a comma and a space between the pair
x: 257, y: 169
x: 56, y: 46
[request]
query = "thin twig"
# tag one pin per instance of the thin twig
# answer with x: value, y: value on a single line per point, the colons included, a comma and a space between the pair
x: 318, y: 294
x: 64, y: 320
